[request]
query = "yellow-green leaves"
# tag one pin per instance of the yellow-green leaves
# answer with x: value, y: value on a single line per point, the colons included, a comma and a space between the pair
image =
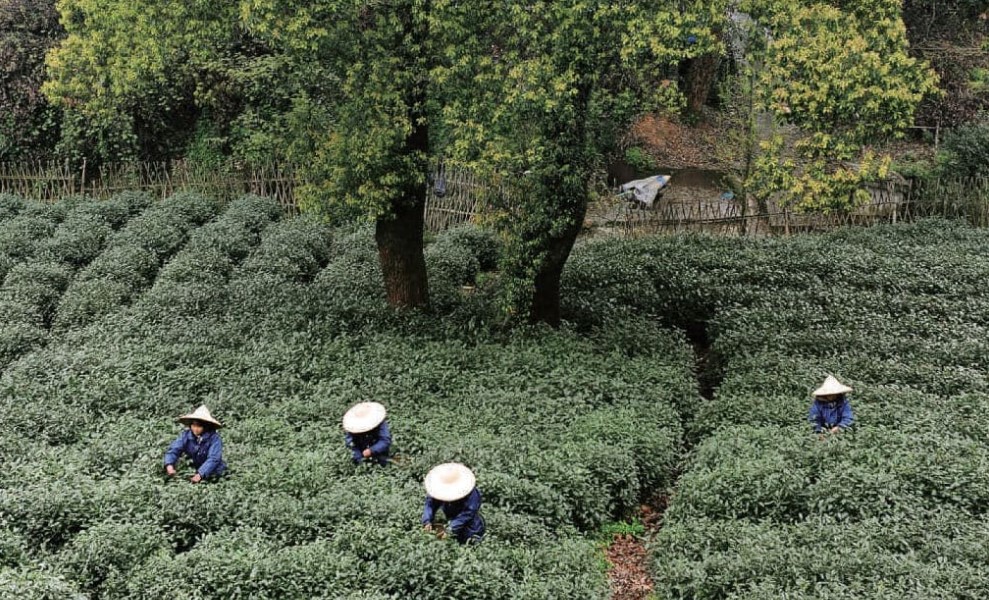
x: 840, y: 81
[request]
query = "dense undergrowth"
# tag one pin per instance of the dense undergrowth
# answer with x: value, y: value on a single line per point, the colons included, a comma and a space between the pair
x: 895, y: 508
x: 118, y: 316
x: 279, y: 324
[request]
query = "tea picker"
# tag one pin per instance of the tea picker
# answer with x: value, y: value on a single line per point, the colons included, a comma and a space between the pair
x: 367, y: 434
x: 201, y: 443
x: 831, y: 412
x: 451, y: 488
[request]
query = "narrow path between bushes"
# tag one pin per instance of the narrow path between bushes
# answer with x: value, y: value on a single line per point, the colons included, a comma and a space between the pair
x: 630, y: 575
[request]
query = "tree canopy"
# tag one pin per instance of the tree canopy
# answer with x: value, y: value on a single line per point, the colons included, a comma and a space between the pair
x: 367, y: 96
x: 29, y: 125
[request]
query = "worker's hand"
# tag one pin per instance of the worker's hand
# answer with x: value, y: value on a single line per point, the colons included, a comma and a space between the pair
x: 428, y: 527
x: 170, y: 469
x: 366, y: 453
x: 196, y: 478
x: 441, y: 535
x: 836, y: 429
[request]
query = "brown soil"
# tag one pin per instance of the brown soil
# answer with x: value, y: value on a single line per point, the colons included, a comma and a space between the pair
x: 679, y: 146
x: 629, y: 574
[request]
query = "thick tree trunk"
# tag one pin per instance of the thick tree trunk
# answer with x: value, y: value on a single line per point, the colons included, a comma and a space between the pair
x: 400, y: 251
x: 699, y: 75
x: 399, y: 235
x: 546, y: 295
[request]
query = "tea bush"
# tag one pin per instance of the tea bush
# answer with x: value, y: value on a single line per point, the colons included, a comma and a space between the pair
x: 132, y: 259
x: 10, y: 206
x: 194, y: 281
x: 296, y: 330
x: 765, y: 509
x: 22, y: 234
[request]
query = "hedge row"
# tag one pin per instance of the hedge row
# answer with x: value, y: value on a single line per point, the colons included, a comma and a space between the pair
x: 194, y: 281
x: 33, y: 289
x: 132, y: 259
x: 765, y: 509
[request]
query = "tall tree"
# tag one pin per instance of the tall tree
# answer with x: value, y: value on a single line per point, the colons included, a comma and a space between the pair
x: 375, y: 155
x: 132, y: 76
x: 551, y: 88
x: 841, y: 79
x: 29, y: 125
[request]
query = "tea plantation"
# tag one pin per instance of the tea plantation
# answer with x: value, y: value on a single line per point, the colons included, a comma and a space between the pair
x: 117, y: 316
x: 896, y: 507
x: 130, y: 312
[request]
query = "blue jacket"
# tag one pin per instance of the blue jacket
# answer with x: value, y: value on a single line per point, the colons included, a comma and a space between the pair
x: 206, y: 453
x: 463, y: 516
x: 378, y: 440
x: 825, y: 415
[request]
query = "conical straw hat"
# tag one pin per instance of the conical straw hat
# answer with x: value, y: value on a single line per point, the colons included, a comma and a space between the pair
x: 201, y: 414
x: 449, y: 482
x: 831, y: 387
x: 363, y: 417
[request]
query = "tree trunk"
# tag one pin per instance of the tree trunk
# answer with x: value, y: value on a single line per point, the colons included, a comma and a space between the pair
x: 400, y: 251
x: 399, y: 234
x: 546, y: 294
x: 700, y: 74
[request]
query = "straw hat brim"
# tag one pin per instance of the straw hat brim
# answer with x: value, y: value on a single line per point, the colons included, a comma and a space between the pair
x: 449, y: 482
x: 363, y: 417
x: 831, y: 387
x: 202, y: 415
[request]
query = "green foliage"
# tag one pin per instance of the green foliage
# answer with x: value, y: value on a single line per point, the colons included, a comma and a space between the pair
x: 639, y: 160
x: 295, y: 332
x: 965, y: 153
x: 29, y: 126
x: 566, y: 81
x: 840, y: 80
x: 36, y: 584
x: 132, y: 258
x: 102, y: 557
x: 765, y: 508
x: 128, y: 77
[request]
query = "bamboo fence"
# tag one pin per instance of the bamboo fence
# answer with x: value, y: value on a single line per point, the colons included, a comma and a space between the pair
x: 456, y: 196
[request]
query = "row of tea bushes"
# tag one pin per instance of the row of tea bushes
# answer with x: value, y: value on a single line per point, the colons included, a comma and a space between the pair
x: 194, y: 281
x: 566, y: 431
x: 132, y: 258
x: 33, y: 289
x: 765, y: 509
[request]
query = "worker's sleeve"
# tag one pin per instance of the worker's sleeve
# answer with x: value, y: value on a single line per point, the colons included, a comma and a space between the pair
x: 466, y: 516
x: 214, y: 457
x: 815, y: 416
x: 349, y: 439
x: 384, y: 440
x: 174, y: 452
x: 429, y: 511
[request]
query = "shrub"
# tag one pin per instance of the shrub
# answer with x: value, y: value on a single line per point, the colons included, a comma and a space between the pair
x: 965, y: 152
x: 30, y: 583
x: 101, y: 558
x: 10, y: 206
x: 482, y: 243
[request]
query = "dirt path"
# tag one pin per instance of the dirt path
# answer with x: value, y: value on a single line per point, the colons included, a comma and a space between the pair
x: 630, y: 576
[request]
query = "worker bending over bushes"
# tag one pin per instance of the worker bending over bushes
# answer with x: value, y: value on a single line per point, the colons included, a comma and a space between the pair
x: 367, y: 433
x: 831, y: 412
x: 450, y: 488
x: 201, y: 443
